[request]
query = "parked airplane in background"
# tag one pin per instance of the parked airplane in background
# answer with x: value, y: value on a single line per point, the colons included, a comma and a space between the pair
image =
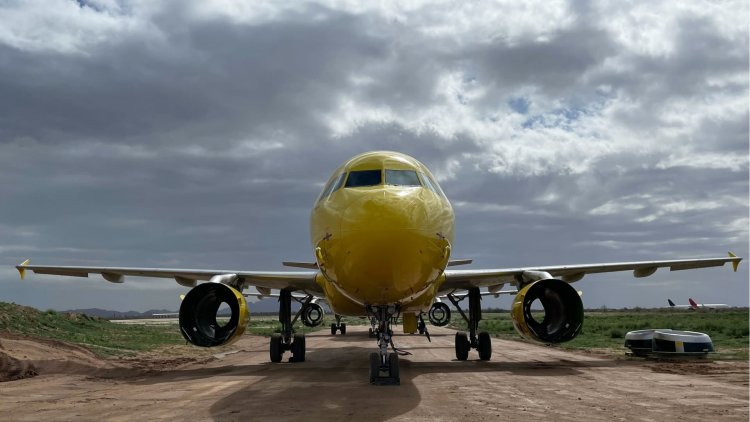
x: 697, y: 306
x: 382, y: 234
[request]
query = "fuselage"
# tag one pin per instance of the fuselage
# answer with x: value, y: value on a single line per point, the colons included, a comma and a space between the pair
x: 381, y: 232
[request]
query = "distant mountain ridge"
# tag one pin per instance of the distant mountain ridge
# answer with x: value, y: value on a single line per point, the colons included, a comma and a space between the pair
x: 106, y: 313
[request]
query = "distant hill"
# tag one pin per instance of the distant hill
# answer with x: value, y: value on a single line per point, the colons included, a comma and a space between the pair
x: 106, y: 313
x: 263, y: 306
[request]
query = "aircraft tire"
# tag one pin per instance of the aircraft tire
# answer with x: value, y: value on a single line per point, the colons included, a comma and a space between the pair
x: 374, y: 366
x: 485, y: 346
x: 462, y: 346
x: 333, y: 329
x: 342, y: 328
x: 298, y: 347
x: 393, y: 367
x: 276, y: 350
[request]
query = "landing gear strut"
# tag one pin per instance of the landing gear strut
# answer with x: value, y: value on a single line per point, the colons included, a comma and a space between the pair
x: 464, y: 343
x: 287, y: 339
x: 338, y: 326
x: 373, y: 331
x: 384, y: 366
x: 422, y: 328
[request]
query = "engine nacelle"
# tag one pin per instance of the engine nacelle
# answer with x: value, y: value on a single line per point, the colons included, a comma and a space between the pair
x: 198, y: 322
x: 439, y: 314
x: 563, y: 311
x: 312, y: 315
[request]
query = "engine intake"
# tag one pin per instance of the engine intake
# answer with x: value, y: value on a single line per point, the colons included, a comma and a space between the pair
x: 563, y: 312
x: 439, y: 314
x: 198, y: 322
x: 312, y: 315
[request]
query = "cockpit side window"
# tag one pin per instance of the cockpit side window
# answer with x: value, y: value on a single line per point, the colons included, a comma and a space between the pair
x: 331, y: 186
x: 339, y: 182
x: 363, y: 178
x: 401, y: 178
x: 431, y: 184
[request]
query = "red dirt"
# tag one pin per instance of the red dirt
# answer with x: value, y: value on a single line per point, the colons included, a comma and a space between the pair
x: 522, y: 381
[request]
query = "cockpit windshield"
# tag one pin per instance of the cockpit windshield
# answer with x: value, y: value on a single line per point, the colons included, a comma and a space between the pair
x: 363, y: 178
x: 401, y: 178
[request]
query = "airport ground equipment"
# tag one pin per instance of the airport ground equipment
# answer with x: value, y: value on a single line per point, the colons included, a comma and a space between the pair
x: 666, y: 342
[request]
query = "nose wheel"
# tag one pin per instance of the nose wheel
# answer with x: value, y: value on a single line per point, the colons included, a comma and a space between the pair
x: 384, y: 369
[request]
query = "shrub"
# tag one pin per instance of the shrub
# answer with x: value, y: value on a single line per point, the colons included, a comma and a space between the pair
x: 616, y: 334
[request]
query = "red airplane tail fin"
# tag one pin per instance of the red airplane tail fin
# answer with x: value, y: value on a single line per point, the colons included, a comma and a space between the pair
x: 692, y: 303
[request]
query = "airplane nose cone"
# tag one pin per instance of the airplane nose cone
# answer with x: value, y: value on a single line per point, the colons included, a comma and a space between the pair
x: 389, y: 247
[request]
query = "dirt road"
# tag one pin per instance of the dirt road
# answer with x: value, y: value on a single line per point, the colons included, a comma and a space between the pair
x: 522, y: 381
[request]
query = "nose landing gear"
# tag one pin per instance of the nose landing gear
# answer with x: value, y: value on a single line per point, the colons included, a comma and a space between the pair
x: 373, y: 330
x: 384, y: 368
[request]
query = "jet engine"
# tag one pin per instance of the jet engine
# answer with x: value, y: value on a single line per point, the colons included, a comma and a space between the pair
x: 439, y: 314
x: 312, y: 315
x: 198, y: 322
x: 563, y: 311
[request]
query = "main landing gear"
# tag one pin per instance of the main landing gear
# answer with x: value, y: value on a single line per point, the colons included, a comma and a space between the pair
x: 338, y: 326
x: 287, y: 339
x: 384, y: 366
x: 464, y: 343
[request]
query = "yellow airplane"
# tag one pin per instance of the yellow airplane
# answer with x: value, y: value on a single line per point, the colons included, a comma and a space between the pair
x: 381, y: 234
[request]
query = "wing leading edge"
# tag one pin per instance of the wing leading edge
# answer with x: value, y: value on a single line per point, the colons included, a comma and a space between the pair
x: 465, y: 279
x: 454, y: 279
x: 295, y: 280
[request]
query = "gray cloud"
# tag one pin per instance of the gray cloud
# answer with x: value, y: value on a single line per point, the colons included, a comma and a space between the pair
x: 190, y: 134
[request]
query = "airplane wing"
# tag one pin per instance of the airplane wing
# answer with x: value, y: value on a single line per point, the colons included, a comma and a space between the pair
x: 260, y: 296
x: 295, y: 280
x: 496, y: 278
x: 496, y: 294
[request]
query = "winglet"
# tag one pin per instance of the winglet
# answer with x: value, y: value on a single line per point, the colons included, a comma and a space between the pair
x: 735, y: 263
x: 22, y: 268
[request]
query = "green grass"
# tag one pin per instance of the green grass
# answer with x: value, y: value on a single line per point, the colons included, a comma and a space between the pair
x: 267, y: 325
x: 601, y: 330
x: 99, y: 335
x: 728, y: 329
x: 107, y: 338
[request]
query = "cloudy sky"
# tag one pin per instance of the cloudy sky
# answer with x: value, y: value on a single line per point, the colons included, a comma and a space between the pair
x: 198, y: 134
